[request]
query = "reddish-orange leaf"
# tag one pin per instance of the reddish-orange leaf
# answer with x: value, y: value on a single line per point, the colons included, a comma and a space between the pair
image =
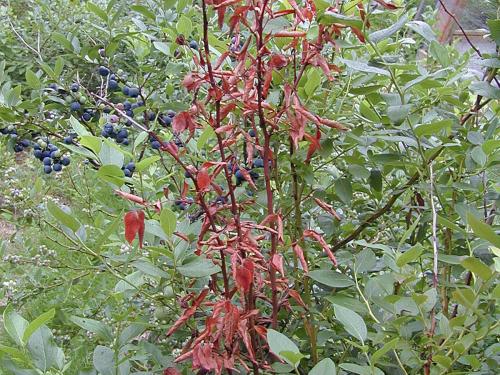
x: 296, y: 296
x: 188, y: 313
x: 327, y: 208
x: 171, y: 371
x: 290, y: 34
x: 244, y: 278
x: 277, y: 262
x: 318, y: 237
x: 299, y: 252
x: 130, y: 197
x: 203, y: 179
x: 387, y: 5
x: 134, y: 224
x: 183, y: 121
x: 359, y: 34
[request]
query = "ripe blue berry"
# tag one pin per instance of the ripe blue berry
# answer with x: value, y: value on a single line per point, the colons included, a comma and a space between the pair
x: 74, y: 87
x: 18, y: 148
x: 126, y: 90
x: 156, y: 145
x: 47, y: 169
x: 127, y: 105
x: 251, y: 133
x: 47, y: 161
x: 125, y: 142
x: 57, y: 167
x: 112, y: 84
x: 38, y: 154
x: 130, y: 166
x: 122, y: 133
x: 65, y: 161
x: 68, y: 139
x: 25, y: 143
x: 258, y: 163
x: 133, y: 92
x: 87, y: 116
x: 127, y: 172
x: 75, y: 106
x: 193, y: 44
x: 103, y: 71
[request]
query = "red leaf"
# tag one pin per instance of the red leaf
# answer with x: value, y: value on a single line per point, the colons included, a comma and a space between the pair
x: 290, y: 34
x: 244, y: 278
x: 327, y: 208
x: 171, y: 371
x: 277, y: 262
x: 225, y: 110
x: 296, y: 296
x: 203, y: 179
x: 299, y: 252
x: 387, y: 5
x: 188, y: 313
x: 248, y: 178
x: 318, y: 237
x: 315, y: 145
x: 130, y: 197
x: 134, y: 224
x: 183, y: 121
x: 359, y: 34
x: 278, y: 61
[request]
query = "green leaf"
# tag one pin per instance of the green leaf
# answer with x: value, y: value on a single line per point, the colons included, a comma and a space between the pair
x: 483, y: 230
x: 37, y: 323
x: 146, y: 162
x: 63, y: 218
x: 410, y: 255
x: 198, y: 267
x: 375, y: 180
x: 352, y: 322
x: 494, y: 26
x: 423, y: 29
x: 398, y: 113
x: 361, y: 370
x: 207, y: 134
x: 485, y: 89
x: 388, y: 346
x: 112, y: 174
x: 97, y: 11
x: 104, y: 360
x: 14, y: 324
x: 343, y: 189
x: 313, y: 81
x: 379, y: 35
x: 91, y: 142
x: 477, y: 154
x: 59, y: 66
x: 477, y: 267
x: 44, y: 353
x: 184, y: 26
x: 61, y: 39
x: 149, y: 269
x: 365, y: 261
x: 110, y: 155
x: 168, y: 221
x: 78, y: 127
x: 329, y: 18
x: 162, y: 47
x: 331, y: 278
x: 32, y: 80
x: 144, y: 11
x: 434, y: 128
x: 324, y: 367
x: 362, y: 66
x: 279, y: 343
x: 94, y: 326
x: 133, y: 330
x: 108, y: 232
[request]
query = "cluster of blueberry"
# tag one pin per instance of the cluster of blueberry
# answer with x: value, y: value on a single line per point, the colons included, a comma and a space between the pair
x: 236, y: 44
x: 183, y: 204
x: 50, y: 156
x: 119, y: 135
x: 129, y: 169
x: 238, y: 174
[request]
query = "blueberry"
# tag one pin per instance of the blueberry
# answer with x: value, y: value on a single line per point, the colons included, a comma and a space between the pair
x: 52, y: 147
x: 140, y: 103
x: 57, y: 167
x: 68, y: 140
x: 134, y: 106
x: 193, y: 44
x: 221, y: 199
x: 166, y: 120
x: 107, y: 109
x: 74, y: 87
x: 36, y: 146
x: 254, y: 175
x: 112, y: 84
x: 114, y: 119
x: 18, y: 147
x: 187, y: 174
x: 156, y: 145
x: 239, y: 175
x: 133, y: 92
x: 129, y: 113
x: 103, y: 71
x: 122, y: 133
x: 251, y: 133
x: 47, y: 169
x: 55, y: 154
x: 128, y: 172
x: 26, y: 142
x: 46, y: 154
x: 170, y: 113
x: 119, y: 139
x: 47, y: 161
x: 127, y: 105
x: 108, y: 127
x: 75, y: 106
x: 151, y: 116
x: 38, y: 154
x: 53, y: 86
x: 112, y: 76
x: 258, y: 163
x: 126, y: 90
x: 65, y: 161
x: 130, y: 166
x: 87, y: 116
x: 104, y: 133
x: 125, y: 142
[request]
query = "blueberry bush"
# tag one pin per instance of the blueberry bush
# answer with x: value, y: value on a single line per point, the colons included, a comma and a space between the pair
x: 245, y: 186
